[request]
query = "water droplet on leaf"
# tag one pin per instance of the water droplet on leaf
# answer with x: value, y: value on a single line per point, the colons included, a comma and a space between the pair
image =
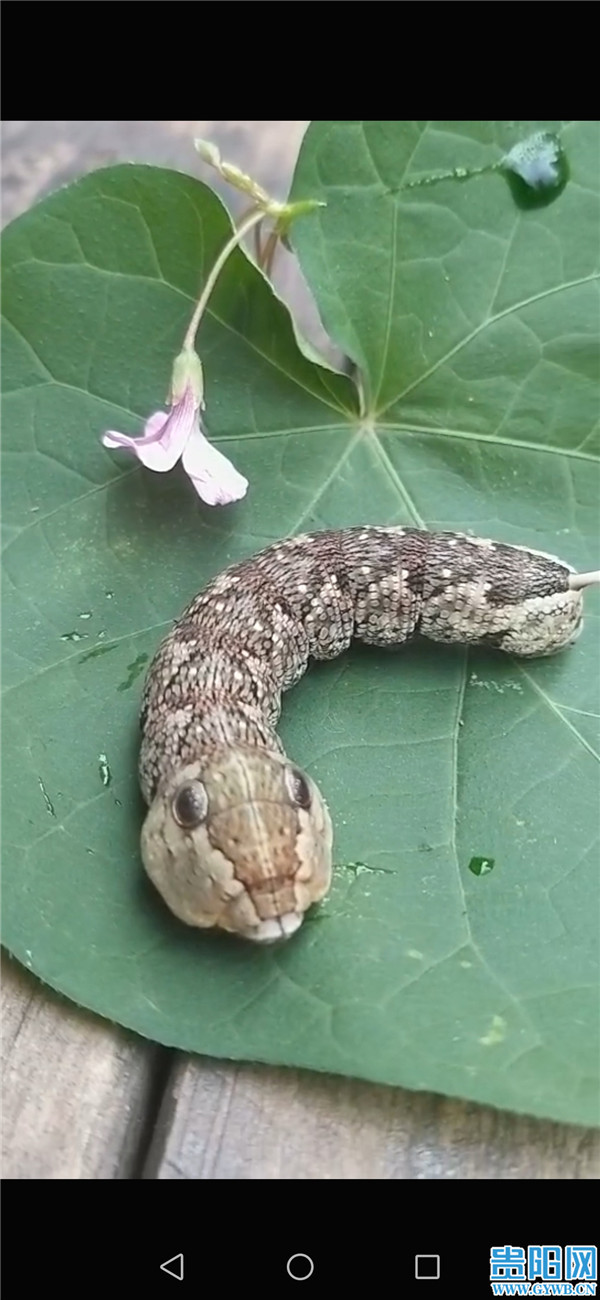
x: 481, y: 866
x: 134, y: 669
x: 536, y: 169
x: 97, y: 651
x: 47, y: 799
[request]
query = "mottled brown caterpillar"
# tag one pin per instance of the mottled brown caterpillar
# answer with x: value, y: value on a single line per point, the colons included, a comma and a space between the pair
x: 236, y: 835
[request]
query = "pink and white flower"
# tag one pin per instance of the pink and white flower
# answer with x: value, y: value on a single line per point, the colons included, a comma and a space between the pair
x: 177, y: 435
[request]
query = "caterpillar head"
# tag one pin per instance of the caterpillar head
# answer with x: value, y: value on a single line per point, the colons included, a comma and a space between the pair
x: 241, y: 841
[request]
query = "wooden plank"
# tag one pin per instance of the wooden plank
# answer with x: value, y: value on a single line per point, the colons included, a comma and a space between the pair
x: 77, y: 1092
x: 221, y: 1120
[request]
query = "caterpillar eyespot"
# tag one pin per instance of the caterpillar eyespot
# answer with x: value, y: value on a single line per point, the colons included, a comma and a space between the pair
x: 298, y: 787
x: 190, y: 805
x: 210, y: 758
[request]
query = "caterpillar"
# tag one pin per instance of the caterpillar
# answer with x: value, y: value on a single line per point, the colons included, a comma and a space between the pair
x: 236, y: 835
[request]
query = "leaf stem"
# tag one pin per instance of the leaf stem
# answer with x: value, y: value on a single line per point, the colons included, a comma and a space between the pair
x: 252, y: 219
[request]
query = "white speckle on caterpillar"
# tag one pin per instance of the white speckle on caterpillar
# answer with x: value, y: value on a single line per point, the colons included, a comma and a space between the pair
x: 480, y: 541
x: 236, y: 836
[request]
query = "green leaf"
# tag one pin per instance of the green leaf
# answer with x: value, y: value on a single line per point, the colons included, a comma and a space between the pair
x: 474, y: 324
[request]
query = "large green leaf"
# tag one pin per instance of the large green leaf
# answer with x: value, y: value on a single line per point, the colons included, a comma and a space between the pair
x: 473, y: 323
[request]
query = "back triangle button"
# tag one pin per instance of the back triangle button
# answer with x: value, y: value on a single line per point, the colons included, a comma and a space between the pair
x: 174, y: 1267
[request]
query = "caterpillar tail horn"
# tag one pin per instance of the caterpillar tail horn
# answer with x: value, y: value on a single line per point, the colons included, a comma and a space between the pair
x: 577, y: 581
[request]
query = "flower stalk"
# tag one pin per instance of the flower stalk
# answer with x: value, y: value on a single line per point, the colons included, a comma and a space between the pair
x: 177, y: 434
x: 251, y: 220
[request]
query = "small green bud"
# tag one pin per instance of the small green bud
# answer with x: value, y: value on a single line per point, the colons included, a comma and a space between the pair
x: 239, y: 179
x: 289, y: 212
x: 282, y: 213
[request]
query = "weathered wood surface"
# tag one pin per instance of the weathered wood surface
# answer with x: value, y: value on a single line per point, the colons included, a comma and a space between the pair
x: 228, y: 1121
x: 76, y: 1091
x: 85, y: 1099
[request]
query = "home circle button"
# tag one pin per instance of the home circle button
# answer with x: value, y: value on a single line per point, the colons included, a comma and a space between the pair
x: 300, y: 1267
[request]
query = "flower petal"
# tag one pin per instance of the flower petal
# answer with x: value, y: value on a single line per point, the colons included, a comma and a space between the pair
x: 154, y: 426
x: 153, y: 429
x: 215, y: 479
x: 165, y: 436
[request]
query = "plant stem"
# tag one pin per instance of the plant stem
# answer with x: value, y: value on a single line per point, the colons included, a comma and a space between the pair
x: 268, y: 253
x: 252, y: 219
